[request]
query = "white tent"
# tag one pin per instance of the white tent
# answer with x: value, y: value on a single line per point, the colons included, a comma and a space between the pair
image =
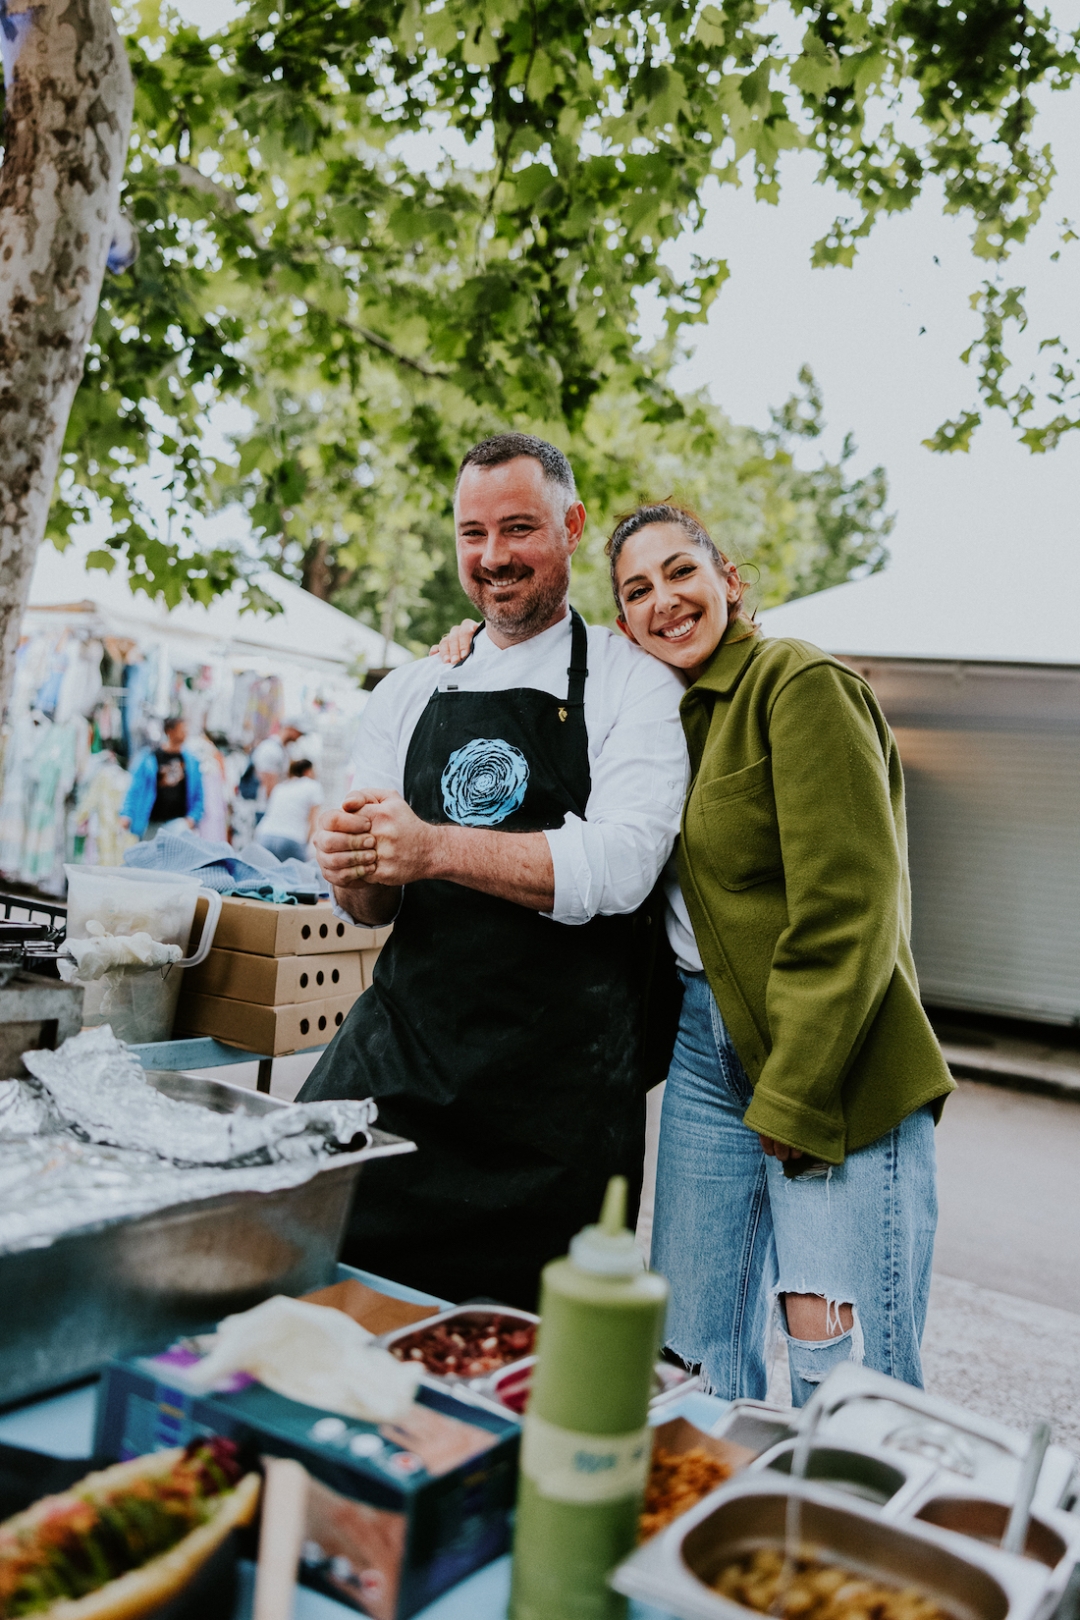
x: 308, y: 631
x: 964, y: 606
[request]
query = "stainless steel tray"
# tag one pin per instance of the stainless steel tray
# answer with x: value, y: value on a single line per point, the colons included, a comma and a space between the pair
x: 456, y: 1313
x: 933, y: 1479
x: 133, y: 1284
x: 976, y: 1454
x: 968, y: 1580
x: 888, y: 1481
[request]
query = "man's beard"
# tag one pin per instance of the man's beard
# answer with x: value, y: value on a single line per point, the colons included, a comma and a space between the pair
x: 533, y: 608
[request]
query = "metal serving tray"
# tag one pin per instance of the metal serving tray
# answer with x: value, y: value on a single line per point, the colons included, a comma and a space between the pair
x: 897, y: 1480
x: 977, y: 1455
x: 886, y: 1480
x: 128, y: 1284
x: 469, y: 1313
x: 509, y: 1386
x: 968, y: 1580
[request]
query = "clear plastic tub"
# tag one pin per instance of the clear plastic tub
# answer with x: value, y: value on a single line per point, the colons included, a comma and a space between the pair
x: 139, y: 1002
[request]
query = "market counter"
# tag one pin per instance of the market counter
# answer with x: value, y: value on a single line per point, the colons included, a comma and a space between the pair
x: 63, y: 1426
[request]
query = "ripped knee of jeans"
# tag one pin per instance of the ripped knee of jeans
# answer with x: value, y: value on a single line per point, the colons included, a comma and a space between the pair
x: 811, y: 1360
x: 801, y: 1312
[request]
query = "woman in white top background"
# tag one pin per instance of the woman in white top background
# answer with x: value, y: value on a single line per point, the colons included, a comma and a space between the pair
x: 287, y: 827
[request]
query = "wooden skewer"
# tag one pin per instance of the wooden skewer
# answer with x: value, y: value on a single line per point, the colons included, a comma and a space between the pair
x: 284, y: 1507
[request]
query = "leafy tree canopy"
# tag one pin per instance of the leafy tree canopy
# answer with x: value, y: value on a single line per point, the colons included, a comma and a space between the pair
x: 386, y: 228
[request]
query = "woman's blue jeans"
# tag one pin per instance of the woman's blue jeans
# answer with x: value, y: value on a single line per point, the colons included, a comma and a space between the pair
x: 731, y: 1233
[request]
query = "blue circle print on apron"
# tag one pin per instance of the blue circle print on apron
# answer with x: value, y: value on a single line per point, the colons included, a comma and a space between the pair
x: 484, y: 782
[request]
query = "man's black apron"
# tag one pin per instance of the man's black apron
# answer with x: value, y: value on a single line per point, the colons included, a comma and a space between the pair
x: 505, y: 1045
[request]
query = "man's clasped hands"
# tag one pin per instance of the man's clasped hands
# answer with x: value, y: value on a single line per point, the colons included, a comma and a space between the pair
x: 375, y: 839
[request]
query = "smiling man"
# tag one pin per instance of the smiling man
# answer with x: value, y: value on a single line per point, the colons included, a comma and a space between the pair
x: 511, y: 813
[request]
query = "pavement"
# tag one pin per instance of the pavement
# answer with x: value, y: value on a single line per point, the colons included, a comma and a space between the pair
x: 1039, y: 1058
x: 1004, y: 1357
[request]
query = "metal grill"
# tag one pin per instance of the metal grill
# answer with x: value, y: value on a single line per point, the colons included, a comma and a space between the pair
x: 32, y: 933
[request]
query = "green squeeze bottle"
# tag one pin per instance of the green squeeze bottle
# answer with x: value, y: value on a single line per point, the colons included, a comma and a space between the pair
x: 586, y: 1445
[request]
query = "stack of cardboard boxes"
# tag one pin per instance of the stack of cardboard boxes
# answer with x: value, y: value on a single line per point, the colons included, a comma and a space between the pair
x: 279, y: 978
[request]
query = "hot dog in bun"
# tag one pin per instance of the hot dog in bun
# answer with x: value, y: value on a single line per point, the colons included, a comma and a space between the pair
x: 124, y: 1541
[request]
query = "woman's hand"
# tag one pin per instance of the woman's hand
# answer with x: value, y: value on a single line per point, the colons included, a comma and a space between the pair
x: 457, y: 643
x: 773, y: 1149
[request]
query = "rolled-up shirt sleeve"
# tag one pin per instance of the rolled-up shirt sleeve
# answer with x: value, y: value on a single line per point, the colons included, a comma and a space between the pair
x: 607, y: 864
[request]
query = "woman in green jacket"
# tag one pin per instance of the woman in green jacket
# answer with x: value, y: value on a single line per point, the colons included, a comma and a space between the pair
x: 796, y: 1161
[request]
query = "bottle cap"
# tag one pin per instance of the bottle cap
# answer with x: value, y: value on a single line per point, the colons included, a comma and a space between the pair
x: 609, y: 1250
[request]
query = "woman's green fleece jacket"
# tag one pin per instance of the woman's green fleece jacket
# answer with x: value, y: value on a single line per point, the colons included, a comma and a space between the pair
x: 793, y: 861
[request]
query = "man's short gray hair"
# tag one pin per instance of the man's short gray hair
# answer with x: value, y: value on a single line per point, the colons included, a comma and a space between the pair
x: 505, y: 447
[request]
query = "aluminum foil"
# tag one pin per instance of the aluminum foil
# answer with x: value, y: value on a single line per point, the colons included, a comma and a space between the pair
x: 26, y: 1110
x: 51, y: 1185
x: 88, y: 1141
x: 99, y: 1089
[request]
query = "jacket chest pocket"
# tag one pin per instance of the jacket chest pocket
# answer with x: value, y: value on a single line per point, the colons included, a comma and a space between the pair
x: 737, y: 814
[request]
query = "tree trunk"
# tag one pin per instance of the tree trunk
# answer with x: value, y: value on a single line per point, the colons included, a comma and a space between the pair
x: 69, y: 99
x: 318, y: 572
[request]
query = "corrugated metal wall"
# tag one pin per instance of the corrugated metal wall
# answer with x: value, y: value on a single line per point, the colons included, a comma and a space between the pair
x: 992, y: 763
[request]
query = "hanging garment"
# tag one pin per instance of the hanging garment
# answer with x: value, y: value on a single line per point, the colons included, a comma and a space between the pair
x: 51, y: 772
x: 100, y: 805
x: 14, y: 802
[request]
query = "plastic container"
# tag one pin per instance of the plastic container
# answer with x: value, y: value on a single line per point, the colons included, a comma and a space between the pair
x: 586, y: 1443
x: 139, y: 1003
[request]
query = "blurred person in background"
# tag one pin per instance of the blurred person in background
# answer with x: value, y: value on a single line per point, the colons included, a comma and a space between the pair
x: 288, y: 826
x: 271, y: 757
x: 166, y: 786
x: 214, y: 821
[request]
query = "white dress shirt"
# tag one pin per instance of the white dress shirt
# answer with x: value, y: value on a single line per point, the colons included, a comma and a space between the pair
x: 607, y: 863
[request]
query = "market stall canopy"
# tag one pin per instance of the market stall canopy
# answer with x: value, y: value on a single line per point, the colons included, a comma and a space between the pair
x: 963, y: 607
x: 307, y: 631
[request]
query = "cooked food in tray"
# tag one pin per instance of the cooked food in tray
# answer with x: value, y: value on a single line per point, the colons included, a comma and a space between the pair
x: 468, y: 1346
x: 811, y: 1590
x: 124, y: 1541
x: 677, y: 1482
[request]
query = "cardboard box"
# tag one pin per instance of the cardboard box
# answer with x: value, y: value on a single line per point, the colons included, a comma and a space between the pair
x: 379, y: 1313
x: 397, y: 1513
x: 272, y: 930
x: 274, y: 981
x: 255, y: 1028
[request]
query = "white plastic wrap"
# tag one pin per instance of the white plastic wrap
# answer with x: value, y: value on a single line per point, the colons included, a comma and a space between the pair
x: 312, y: 1354
x: 100, y: 952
